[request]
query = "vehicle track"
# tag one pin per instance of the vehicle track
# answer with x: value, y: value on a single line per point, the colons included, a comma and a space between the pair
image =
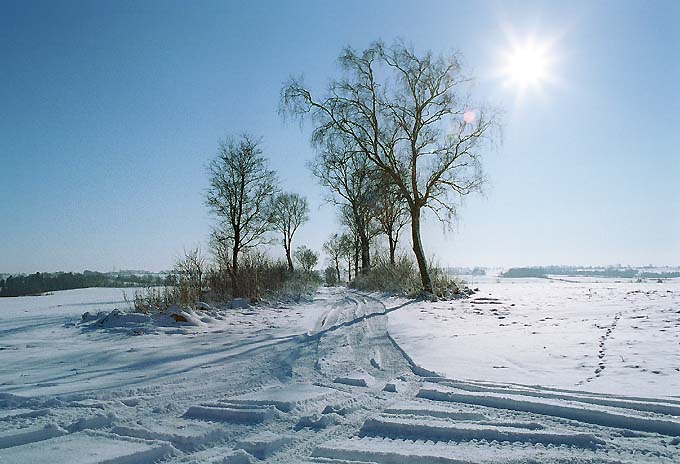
x: 346, y: 392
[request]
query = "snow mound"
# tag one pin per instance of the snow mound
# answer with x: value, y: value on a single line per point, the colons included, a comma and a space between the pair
x: 14, y: 414
x: 263, y: 444
x: 286, y: 397
x: 433, y: 411
x: 412, y: 429
x: 24, y: 436
x: 318, y: 421
x: 99, y: 421
x: 86, y: 448
x: 185, y: 440
x: 352, y: 381
x: 239, y: 457
x: 230, y: 414
x: 395, y: 451
x: 134, y: 323
x: 615, y: 418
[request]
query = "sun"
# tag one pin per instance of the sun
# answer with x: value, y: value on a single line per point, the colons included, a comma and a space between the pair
x: 527, y: 65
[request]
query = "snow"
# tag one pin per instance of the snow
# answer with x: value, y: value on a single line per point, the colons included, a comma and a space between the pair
x: 429, y: 429
x: 88, y: 449
x: 602, y: 336
x: 229, y: 414
x: 284, y: 397
x: 324, y: 380
x: 9, y: 438
x: 46, y: 349
x: 397, y: 451
x: 565, y: 409
x: 263, y: 444
x: 183, y: 439
x: 354, y: 381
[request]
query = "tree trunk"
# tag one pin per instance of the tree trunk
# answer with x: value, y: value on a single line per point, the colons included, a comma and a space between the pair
x: 234, y: 272
x: 356, y: 260
x: 393, y: 248
x: 365, y: 254
x: 418, y: 250
x: 289, y: 259
x: 337, y: 268
x: 364, y: 245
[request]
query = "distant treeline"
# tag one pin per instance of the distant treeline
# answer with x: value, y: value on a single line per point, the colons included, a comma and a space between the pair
x: 41, y: 282
x: 475, y: 271
x: 621, y: 273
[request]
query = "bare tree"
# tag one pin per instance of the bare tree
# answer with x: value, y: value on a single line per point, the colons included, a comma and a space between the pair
x: 190, y: 271
x: 415, y: 125
x: 391, y: 213
x: 346, y: 172
x: 307, y: 258
x: 289, y: 212
x: 220, y: 275
x: 348, y: 218
x: 334, y: 250
x: 241, y: 190
x: 348, y: 246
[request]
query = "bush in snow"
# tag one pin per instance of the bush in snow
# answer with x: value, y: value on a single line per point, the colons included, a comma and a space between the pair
x: 155, y: 299
x: 189, y: 272
x: 307, y: 258
x: 188, y: 281
x: 403, y: 278
x: 330, y: 276
x: 260, y: 277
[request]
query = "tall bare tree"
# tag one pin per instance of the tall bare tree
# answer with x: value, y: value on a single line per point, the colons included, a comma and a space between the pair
x: 289, y: 212
x: 391, y: 214
x: 348, y: 245
x: 334, y: 250
x: 346, y: 172
x: 241, y: 190
x: 414, y: 123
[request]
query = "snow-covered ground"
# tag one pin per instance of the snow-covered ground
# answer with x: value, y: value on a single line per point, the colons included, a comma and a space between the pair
x: 325, y: 382
x: 598, y: 335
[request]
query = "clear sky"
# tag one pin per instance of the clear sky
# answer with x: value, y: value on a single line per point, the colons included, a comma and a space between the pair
x: 110, y: 111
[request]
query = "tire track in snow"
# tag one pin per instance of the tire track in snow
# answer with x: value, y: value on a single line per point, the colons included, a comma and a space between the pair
x: 365, y: 424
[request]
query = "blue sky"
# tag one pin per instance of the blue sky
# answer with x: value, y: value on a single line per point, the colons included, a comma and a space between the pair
x: 110, y: 111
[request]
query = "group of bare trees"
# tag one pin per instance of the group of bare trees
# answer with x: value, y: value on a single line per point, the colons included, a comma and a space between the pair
x: 245, y: 198
x: 395, y: 135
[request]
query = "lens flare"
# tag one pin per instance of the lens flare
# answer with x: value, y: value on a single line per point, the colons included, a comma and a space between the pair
x: 527, y: 64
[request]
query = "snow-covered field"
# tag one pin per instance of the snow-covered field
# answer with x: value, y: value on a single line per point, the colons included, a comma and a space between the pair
x: 598, y: 335
x: 325, y: 382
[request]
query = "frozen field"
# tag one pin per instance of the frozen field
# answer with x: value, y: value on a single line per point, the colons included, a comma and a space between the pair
x: 605, y: 336
x: 325, y: 382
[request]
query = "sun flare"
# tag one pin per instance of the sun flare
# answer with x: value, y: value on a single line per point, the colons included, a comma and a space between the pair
x: 527, y: 65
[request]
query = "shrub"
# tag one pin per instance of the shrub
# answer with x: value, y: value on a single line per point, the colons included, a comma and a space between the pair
x: 189, y: 274
x: 403, y: 278
x: 261, y: 277
x: 258, y: 275
x: 298, y: 286
x: 307, y: 258
x: 155, y: 299
x: 330, y: 276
